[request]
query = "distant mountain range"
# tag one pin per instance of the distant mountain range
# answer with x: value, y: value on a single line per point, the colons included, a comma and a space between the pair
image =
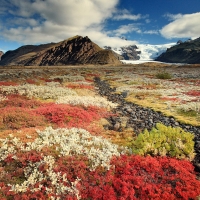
x: 183, y: 52
x: 80, y: 50
x: 75, y: 50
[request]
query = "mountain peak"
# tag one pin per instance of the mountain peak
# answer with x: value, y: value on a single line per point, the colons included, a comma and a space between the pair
x: 75, y: 50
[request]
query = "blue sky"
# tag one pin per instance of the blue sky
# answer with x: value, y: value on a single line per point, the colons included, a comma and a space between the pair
x: 103, y: 21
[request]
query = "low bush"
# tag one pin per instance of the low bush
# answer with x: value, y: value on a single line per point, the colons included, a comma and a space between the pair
x: 134, y: 177
x: 80, y: 86
x: 8, y: 83
x: 194, y: 107
x: 86, y: 101
x: 195, y: 93
x: 37, y: 91
x: 70, y: 116
x: 165, y: 140
x: 137, y: 177
x: 16, y: 118
x: 163, y: 75
x: 131, y: 177
x: 32, y: 177
x: 187, y: 113
x: 30, y: 81
x: 19, y: 101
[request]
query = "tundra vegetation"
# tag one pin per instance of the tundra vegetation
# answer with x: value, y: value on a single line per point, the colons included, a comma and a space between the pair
x: 54, y: 144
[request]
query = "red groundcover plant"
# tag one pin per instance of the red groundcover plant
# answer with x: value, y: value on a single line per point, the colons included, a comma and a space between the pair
x: 16, y: 100
x: 16, y: 118
x: 80, y: 86
x: 193, y: 93
x: 7, y: 83
x: 20, y: 112
x: 131, y: 177
x: 70, y: 116
x: 137, y: 177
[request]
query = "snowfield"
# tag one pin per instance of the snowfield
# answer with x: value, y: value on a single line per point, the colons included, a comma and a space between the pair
x: 148, y: 52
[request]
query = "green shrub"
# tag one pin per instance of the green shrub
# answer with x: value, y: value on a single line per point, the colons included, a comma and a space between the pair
x: 188, y: 113
x: 165, y: 141
x: 163, y: 75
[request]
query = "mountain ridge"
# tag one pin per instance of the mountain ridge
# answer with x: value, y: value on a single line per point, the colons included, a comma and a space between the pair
x: 73, y: 51
x: 184, y: 52
x: 80, y: 50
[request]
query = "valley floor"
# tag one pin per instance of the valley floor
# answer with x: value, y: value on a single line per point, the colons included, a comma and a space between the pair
x: 78, y: 132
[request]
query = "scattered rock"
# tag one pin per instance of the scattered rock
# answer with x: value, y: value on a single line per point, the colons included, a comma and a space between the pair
x: 139, y: 118
x: 116, y: 127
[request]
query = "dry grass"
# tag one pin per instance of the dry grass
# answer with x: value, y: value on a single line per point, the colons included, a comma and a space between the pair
x: 85, y: 92
x: 123, y: 138
x: 24, y: 134
x: 152, y: 102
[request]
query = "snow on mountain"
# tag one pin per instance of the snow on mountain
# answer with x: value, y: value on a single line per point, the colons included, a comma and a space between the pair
x: 118, y: 50
x: 145, y: 52
x: 150, y: 52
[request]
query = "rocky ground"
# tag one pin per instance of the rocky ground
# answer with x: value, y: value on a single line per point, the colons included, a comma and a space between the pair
x: 138, y: 118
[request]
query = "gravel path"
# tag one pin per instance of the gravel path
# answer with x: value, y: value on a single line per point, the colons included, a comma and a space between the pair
x: 139, y: 118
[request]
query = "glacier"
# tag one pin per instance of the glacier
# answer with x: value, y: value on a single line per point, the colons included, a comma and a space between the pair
x: 148, y: 52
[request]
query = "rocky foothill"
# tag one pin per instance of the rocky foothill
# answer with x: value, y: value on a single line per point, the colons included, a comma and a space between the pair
x: 183, y: 52
x: 77, y: 50
x: 130, y: 115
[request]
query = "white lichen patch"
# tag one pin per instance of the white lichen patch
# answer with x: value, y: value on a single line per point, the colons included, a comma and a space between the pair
x: 68, y: 142
x: 191, y: 106
x: 41, y: 91
x: 86, y: 101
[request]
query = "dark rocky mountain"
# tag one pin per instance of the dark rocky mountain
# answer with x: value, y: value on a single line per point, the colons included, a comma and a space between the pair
x: 130, y: 52
x: 183, y: 52
x: 73, y: 51
x: 1, y: 54
x: 126, y: 52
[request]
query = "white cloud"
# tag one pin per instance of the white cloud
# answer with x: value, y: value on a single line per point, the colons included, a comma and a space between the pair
x: 42, y: 34
x: 23, y: 22
x: 147, y: 21
x: 3, y: 7
x: 125, y: 14
x: 39, y: 21
x: 124, y: 29
x: 186, y: 26
x: 172, y: 17
x: 79, y: 12
x: 151, y: 32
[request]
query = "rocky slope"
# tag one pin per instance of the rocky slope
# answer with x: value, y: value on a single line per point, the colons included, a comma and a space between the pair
x: 183, y: 52
x: 1, y: 54
x: 75, y: 50
x: 126, y: 53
